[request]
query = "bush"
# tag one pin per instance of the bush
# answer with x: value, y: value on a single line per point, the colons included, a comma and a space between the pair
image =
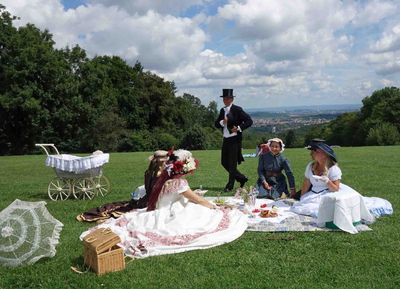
x: 194, y: 139
x: 141, y: 140
x: 165, y: 141
x: 383, y: 134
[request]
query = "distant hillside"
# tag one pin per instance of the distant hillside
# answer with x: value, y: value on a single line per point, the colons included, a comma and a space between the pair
x: 310, y: 109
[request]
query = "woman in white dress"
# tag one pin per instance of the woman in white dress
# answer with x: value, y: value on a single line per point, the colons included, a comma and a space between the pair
x: 323, y: 176
x: 176, y: 219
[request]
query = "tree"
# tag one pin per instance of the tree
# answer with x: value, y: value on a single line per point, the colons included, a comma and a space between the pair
x: 81, y: 104
x: 290, y: 138
x: 343, y: 130
x: 30, y: 69
x: 383, y: 134
x: 382, y: 106
x: 194, y: 139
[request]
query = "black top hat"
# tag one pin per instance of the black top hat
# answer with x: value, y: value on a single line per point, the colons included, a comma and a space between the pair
x: 227, y: 92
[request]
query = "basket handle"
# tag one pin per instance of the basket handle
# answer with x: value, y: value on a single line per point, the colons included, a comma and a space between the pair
x: 105, y: 231
x: 90, y: 239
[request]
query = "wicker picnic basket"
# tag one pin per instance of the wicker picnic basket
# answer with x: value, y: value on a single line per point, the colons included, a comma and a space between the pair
x: 101, y: 252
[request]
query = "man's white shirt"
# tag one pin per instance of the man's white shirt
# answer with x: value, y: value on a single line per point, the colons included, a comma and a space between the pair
x: 226, y: 131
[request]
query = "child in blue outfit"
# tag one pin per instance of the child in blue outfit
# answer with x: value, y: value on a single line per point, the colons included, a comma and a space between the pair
x: 271, y: 181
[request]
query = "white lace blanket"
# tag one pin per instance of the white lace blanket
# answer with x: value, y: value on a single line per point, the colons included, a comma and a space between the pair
x: 70, y: 163
x: 286, y: 221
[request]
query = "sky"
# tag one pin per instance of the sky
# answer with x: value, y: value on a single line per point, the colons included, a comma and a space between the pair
x: 273, y: 53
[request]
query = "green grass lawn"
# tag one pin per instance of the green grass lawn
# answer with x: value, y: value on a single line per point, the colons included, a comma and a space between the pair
x: 255, y: 260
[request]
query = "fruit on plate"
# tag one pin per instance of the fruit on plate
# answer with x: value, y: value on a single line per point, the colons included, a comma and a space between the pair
x: 255, y: 211
x: 263, y: 206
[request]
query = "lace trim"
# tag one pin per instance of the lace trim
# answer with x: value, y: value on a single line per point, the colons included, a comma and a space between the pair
x: 155, y: 239
x: 174, y: 185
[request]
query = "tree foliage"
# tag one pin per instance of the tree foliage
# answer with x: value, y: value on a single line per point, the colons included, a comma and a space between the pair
x: 80, y: 104
x: 377, y: 123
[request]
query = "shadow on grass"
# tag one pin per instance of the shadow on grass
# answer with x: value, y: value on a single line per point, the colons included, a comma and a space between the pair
x: 78, y: 266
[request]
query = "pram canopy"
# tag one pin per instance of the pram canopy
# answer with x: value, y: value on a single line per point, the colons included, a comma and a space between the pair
x: 71, y: 163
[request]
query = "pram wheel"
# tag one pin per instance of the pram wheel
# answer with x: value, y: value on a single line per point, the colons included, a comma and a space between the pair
x: 59, y: 189
x: 102, y: 185
x: 84, y: 188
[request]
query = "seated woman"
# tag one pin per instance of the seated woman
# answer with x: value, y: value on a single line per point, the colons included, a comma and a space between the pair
x: 176, y: 219
x: 323, y: 176
x: 271, y: 182
x: 139, y: 198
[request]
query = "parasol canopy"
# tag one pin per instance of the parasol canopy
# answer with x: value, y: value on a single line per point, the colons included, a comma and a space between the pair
x: 28, y: 232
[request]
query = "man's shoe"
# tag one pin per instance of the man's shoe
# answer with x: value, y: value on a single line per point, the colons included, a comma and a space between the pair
x: 243, y: 181
x: 227, y: 189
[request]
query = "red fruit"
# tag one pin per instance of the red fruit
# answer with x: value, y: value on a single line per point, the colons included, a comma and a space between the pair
x: 263, y: 206
x: 255, y: 211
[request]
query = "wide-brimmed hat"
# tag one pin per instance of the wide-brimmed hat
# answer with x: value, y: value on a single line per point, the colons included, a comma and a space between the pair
x: 314, y: 141
x: 160, y: 154
x: 324, y: 147
x: 227, y: 92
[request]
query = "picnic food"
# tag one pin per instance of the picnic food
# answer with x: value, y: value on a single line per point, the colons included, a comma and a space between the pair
x: 263, y: 206
x: 268, y: 214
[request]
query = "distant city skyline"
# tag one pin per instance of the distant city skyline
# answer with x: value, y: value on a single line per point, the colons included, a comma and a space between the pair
x: 322, y: 107
x: 275, y: 53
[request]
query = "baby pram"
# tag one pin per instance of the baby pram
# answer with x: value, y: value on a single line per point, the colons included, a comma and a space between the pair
x: 81, y: 176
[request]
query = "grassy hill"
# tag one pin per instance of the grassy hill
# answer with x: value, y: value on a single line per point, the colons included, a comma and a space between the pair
x: 255, y: 260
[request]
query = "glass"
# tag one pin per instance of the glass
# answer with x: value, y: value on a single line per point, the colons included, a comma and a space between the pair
x: 253, y: 193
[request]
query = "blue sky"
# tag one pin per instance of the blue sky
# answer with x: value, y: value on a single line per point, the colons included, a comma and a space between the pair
x: 273, y: 53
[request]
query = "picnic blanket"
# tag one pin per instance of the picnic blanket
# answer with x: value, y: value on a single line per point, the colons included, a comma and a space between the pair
x: 285, y: 221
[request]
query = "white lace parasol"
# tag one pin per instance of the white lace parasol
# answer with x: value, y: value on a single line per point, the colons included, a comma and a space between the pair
x: 28, y: 232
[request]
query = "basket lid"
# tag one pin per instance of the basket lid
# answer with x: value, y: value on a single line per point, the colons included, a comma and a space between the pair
x: 100, y: 240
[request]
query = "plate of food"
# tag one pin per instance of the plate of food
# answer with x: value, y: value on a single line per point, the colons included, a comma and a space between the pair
x: 266, y: 213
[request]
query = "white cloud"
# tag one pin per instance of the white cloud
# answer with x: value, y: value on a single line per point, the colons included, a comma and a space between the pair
x: 289, y: 36
x: 159, y: 42
x: 173, y: 7
x: 390, y: 40
x: 384, y: 54
x: 387, y: 82
x: 275, y: 52
x: 371, y: 12
x: 366, y: 85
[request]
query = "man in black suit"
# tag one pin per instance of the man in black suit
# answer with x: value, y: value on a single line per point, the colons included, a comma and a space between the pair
x: 233, y: 120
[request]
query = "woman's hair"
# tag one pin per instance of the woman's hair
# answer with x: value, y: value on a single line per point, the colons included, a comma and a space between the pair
x: 156, y: 166
x: 328, y: 164
x: 176, y: 164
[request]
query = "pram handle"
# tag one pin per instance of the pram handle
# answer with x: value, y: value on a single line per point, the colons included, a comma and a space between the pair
x: 48, y: 145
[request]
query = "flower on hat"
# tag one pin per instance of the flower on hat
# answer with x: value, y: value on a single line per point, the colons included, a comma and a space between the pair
x: 181, y: 162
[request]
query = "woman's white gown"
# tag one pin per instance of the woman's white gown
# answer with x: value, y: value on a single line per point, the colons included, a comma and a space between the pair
x: 176, y: 225
x: 310, y: 202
